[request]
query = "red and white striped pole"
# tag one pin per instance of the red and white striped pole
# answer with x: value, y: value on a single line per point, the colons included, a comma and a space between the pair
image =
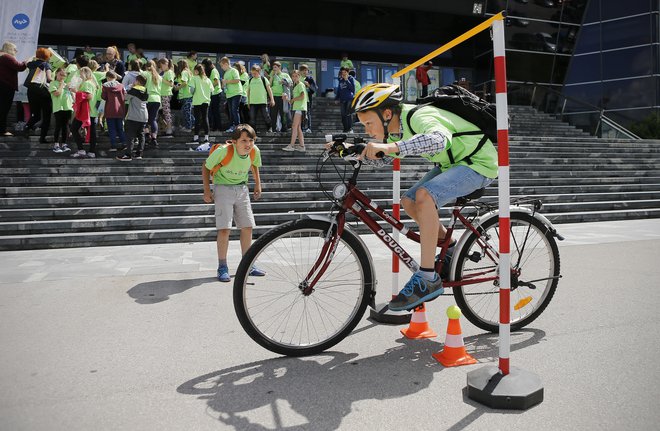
x: 503, y: 192
x: 396, y: 213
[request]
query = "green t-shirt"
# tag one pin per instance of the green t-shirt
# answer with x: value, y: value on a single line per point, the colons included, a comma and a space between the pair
x: 71, y: 71
x: 203, y: 88
x: 92, y: 89
x: 300, y: 105
x: 430, y: 119
x: 276, y: 84
x: 63, y: 102
x: 244, y: 80
x: 99, y: 76
x: 132, y: 57
x: 166, y: 90
x: 153, y: 88
x: 357, y: 85
x: 89, y: 55
x: 236, y: 171
x: 217, y: 85
x: 184, y: 92
x: 346, y: 63
x: 233, y: 89
x: 191, y: 64
x: 258, y: 92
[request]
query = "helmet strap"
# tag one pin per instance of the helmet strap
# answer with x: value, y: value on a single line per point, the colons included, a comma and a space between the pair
x: 386, y: 123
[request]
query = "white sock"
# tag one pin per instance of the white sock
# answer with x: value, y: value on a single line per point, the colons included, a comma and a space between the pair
x: 196, y: 138
x: 428, y: 275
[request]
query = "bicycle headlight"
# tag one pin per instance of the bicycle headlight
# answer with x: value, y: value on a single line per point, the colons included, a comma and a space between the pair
x: 339, y: 191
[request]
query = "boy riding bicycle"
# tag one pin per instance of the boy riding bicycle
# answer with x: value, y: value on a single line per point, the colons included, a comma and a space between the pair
x: 380, y: 108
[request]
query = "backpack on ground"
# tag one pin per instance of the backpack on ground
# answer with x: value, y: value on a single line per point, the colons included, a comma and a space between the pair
x: 466, y: 105
x: 228, y: 156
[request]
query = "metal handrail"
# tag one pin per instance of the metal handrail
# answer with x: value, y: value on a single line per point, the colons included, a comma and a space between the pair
x: 602, y: 118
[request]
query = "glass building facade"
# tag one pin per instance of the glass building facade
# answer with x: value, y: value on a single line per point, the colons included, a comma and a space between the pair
x: 615, y: 65
x: 599, y: 56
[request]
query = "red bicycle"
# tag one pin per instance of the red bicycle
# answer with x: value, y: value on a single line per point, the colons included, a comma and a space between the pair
x: 320, y: 275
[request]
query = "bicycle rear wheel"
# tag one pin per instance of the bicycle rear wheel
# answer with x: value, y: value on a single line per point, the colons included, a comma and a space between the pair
x: 534, y: 272
x: 273, y: 309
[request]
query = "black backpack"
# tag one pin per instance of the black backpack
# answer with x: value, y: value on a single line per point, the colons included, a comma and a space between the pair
x: 466, y: 105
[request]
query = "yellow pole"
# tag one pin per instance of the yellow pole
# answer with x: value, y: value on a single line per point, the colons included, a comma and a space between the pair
x: 465, y: 36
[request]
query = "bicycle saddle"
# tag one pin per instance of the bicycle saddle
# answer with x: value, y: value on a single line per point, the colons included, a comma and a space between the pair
x: 474, y: 195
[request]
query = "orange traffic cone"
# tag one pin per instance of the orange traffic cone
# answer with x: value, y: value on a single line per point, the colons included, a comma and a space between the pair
x: 453, y: 354
x: 419, y: 326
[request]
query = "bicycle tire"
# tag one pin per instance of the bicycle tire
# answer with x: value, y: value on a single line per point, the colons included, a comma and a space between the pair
x: 272, y: 309
x: 538, y: 264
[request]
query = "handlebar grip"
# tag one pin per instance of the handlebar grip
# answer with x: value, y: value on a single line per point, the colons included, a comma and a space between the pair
x: 380, y: 154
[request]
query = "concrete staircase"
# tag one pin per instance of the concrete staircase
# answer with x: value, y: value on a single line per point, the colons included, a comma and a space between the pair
x: 51, y: 201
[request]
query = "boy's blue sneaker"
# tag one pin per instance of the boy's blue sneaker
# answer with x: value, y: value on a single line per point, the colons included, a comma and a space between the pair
x: 256, y: 272
x: 416, y: 291
x: 223, y: 274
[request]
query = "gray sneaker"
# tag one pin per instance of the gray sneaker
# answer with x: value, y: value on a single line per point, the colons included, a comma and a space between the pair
x: 416, y: 291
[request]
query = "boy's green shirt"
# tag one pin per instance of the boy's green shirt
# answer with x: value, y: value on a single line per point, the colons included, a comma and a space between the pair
x: 236, y: 171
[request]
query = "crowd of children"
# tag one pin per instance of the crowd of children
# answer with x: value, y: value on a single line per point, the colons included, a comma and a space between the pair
x: 94, y: 91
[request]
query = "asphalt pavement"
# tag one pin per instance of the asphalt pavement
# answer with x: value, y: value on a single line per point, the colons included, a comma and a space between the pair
x: 143, y: 337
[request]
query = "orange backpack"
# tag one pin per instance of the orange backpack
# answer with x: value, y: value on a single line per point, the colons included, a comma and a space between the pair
x: 228, y: 156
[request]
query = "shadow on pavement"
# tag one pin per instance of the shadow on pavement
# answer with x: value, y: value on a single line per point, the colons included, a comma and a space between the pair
x: 153, y: 292
x: 317, y: 392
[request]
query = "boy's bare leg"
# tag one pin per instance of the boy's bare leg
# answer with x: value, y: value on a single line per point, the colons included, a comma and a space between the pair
x: 222, y: 243
x: 429, y: 226
x: 246, y: 239
x: 410, y: 208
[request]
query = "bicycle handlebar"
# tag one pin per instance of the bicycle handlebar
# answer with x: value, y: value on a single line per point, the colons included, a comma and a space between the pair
x: 339, y: 146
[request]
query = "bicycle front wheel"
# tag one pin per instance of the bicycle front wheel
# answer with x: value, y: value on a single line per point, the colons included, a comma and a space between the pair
x: 273, y: 309
x: 534, y: 272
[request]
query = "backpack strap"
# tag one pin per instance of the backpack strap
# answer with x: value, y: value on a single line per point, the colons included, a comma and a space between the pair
x: 450, y: 154
x: 230, y: 155
x: 225, y: 161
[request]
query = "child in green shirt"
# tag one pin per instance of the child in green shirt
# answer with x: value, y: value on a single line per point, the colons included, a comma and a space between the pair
x: 202, y: 88
x: 166, y: 85
x: 231, y: 193
x: 185, y: 96
x: 62, y: 109
x: 299, y: 108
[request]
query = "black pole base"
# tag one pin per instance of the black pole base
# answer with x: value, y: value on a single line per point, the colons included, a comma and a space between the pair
x: 518, y: 390
x: 382, y: 314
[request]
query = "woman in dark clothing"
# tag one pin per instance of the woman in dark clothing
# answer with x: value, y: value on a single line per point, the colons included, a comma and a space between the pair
x: 9, y: 68
x: 41, y: 105
x: 112, y: 61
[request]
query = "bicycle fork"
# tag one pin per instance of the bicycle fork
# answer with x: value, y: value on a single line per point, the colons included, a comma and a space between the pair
x: 330, y: 243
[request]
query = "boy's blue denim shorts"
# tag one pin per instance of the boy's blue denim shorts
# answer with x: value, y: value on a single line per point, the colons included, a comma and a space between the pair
x: 445, y: 187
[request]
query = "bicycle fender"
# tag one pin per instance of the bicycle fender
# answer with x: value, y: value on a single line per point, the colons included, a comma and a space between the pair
x: 461, y: 242
x: 349, y: 231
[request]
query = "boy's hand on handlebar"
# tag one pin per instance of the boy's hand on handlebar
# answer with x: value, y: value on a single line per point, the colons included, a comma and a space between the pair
x: 376, y: 150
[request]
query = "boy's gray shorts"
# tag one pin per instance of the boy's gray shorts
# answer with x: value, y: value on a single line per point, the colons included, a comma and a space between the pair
x: 232, y: 202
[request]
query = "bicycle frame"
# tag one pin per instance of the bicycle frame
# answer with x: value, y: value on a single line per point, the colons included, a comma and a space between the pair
x: 357, y: 203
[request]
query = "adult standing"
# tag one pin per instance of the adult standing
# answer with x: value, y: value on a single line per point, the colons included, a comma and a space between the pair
x: 422, y: 76
x: 113, y: 62
x: 37, y: 81
x: 9, y: 68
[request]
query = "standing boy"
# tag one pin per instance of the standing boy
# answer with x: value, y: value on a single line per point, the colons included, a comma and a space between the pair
x: 231, y: 193
x: 136, y: 117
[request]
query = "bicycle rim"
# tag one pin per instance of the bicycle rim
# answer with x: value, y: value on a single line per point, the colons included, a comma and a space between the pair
x: 274, y: 311
x: 535, y: 264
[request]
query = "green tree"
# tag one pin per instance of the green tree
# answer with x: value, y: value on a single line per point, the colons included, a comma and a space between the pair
x: 648, y: 128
